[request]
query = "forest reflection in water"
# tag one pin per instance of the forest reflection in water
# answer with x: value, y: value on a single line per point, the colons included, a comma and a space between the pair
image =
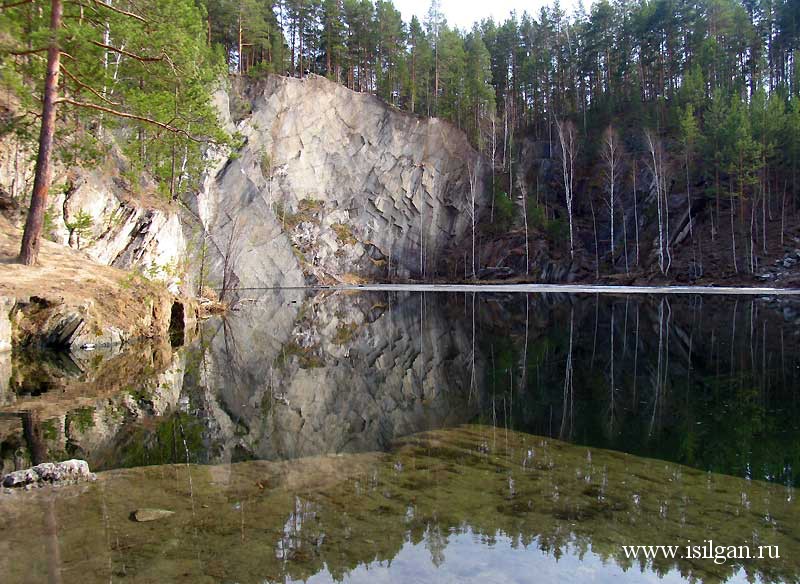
x: 710, y: 382
x: 592, y: 422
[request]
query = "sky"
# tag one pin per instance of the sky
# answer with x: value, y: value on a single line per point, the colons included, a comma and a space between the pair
x: 462, y: 13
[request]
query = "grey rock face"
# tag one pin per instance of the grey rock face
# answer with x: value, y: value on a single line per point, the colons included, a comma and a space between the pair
x: 54, y: 323
x: 335, y: 185
x: 6, y: 304
x: 330, y: 185
x: 69, y: 471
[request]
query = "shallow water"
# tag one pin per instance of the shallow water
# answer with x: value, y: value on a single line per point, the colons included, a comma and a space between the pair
x: 321, y: 436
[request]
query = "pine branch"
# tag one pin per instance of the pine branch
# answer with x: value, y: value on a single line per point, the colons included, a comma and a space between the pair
x: 119, y: 11
x: 15, y: 4
x: 28, y: 52
x: 128, y: 116
x: 139, y: 58
x: 87, y: 87
x: 39, y: 50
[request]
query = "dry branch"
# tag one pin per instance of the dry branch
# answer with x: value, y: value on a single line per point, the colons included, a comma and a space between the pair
x: 14, y: 4
x: 119, y: 11
x: 129, y: 54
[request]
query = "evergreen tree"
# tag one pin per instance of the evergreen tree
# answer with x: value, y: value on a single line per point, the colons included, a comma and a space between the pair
x: 332, y: 39
x: 479, y: 94
x: 146, y: 63
x: 420, y: 62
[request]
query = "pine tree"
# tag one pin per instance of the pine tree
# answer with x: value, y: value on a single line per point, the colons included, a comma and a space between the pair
x: 420, y: 61
x: 151, y: 68
x: 333, y: 45
x: 479, y: 94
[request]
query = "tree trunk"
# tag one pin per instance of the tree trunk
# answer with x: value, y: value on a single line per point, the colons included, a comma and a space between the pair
x: 611, y: 210
x: 300, y: 30
x: 635, y: 213
x: 328, y: 52
x: 413, y: 79
x: 436, y: 77
x: 596, y: 245
x: 241, y: 66
x: 31, y: 238
x: 733, y: 236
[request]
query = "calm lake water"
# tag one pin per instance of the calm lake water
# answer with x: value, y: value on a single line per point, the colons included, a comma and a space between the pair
x: 417, y: 437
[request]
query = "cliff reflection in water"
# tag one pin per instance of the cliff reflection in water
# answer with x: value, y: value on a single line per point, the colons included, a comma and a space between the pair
x: 472, y: 504
x: 706, y: 381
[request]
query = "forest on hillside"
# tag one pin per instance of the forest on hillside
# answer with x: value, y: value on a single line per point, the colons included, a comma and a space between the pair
x: 702, y: 95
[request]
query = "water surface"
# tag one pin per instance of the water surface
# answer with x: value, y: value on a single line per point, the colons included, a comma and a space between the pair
x: 432, y: 437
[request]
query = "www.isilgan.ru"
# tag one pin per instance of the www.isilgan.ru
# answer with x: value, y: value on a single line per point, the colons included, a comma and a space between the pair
x: 704, y: 551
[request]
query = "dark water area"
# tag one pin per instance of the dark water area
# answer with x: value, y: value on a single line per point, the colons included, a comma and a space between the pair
x: 711, y: 383
x: 422, y: 437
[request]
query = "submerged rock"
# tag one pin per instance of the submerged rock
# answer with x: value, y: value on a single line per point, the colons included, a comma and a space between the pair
x: 54, y: 473
x: 144, y: 515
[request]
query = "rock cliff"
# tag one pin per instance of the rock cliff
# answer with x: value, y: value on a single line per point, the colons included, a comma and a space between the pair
x: 326, y: 185
x: 96, y: 211
x: 332, y: 185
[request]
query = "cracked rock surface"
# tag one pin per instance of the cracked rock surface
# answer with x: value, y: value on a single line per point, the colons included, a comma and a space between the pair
x: 333, y: 185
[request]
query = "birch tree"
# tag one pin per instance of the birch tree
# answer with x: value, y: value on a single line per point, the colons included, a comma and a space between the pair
x: 611, y: 153
x: 473, y: 168
x: 656, y: 163
x: 568, y: 141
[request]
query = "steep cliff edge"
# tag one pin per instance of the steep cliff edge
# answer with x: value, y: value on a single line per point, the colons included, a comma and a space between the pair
x: 326, y: 185
x: 335, y: 186
x: 68, y: 301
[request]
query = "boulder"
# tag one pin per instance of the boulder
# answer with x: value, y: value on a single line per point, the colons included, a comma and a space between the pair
x: 52, y: 473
